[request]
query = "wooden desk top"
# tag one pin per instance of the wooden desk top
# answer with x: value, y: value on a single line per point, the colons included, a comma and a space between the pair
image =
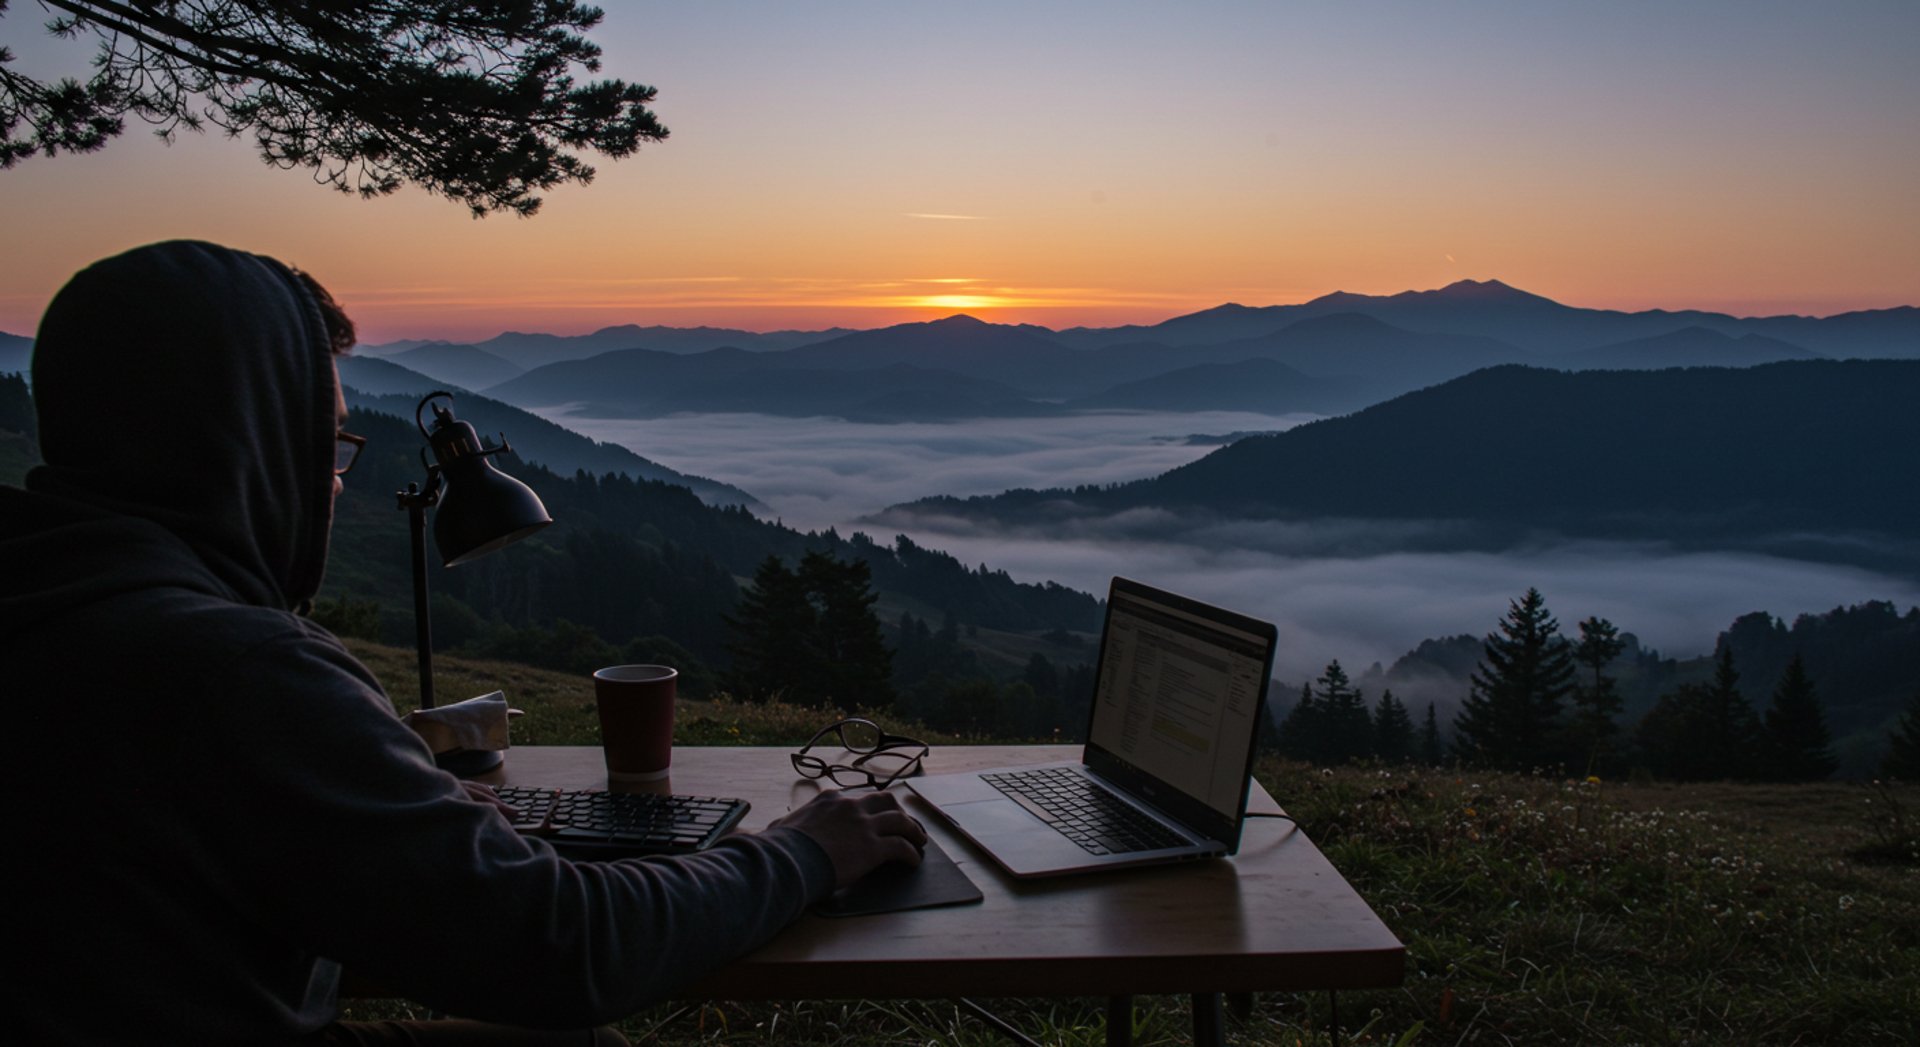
x: 1277, y: 916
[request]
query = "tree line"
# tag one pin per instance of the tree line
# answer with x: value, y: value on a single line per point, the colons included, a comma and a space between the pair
x: 809, y: 634
x: 1538, y: 699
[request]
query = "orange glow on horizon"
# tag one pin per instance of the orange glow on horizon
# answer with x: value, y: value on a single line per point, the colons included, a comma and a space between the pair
x: 475, y: 314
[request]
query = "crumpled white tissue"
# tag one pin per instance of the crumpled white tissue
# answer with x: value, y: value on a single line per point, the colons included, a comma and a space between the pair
x: 477, y: 723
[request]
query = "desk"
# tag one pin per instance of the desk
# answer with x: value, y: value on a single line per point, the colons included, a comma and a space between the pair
x: 1276, y: 917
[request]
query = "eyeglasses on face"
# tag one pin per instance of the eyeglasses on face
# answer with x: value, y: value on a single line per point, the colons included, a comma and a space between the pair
x: 346, y: 451
x: 883, y: 758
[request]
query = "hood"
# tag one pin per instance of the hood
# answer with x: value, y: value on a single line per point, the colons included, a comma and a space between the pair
x: 191, y: 386
x: 58, y: 556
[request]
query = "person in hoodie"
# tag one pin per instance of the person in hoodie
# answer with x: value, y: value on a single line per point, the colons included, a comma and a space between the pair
x: 215, y: 808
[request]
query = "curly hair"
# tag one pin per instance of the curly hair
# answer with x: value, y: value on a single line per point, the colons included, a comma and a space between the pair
x: 340, y: 333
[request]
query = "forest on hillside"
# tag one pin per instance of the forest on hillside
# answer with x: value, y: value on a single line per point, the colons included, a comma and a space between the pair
x: 632, y: 560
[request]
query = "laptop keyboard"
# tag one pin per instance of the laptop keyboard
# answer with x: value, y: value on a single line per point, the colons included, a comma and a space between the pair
x: 589, y: 823
x: 1083, y: 812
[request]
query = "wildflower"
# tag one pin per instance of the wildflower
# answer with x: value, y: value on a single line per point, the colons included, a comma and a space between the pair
x: 1471, y: 812
x: 1593, y: 779
x: 1846, y: 902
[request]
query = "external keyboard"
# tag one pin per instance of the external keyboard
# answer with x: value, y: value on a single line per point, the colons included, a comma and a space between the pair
x: 1083, y: 812
x: 589, y: 823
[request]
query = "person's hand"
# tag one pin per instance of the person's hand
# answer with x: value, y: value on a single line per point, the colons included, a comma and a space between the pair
x: 859, y: 831
x: 486, y: 795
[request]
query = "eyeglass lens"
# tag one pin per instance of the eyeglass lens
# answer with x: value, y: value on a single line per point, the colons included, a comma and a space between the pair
x: 346, y: 450
x: 883, y: 757
x: 859, y: 736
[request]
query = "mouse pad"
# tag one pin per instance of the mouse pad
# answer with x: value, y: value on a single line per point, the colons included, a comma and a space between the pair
x: 891, y: 888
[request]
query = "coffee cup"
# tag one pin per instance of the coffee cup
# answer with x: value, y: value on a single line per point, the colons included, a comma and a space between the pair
x: 636, y: 720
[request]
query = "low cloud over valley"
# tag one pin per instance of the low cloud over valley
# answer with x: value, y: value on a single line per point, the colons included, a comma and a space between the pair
x: 1334, y: 588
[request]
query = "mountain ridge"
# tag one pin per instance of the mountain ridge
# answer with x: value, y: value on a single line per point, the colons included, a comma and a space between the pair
x: 1798, y: 458
x: 388, y: 388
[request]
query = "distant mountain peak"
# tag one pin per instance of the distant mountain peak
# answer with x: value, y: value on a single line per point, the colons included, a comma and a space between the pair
x: 1228, y: 309
x: 1486, y: 286
x: 958, y: 320
x: 1483, y: 291
x: 1480, y: 291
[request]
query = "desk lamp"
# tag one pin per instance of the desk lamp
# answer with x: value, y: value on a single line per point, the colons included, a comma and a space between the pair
x: 480, y: 509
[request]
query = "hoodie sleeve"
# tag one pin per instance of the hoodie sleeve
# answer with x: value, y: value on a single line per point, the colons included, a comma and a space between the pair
x: 346, y: 835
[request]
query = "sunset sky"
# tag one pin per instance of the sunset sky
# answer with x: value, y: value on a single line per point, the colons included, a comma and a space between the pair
x: 861, y: 164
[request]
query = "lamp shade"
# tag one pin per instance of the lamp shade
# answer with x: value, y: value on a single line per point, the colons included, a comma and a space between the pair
x: 482, y: 508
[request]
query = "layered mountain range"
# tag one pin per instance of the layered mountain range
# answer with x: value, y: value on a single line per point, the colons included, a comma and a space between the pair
x: 1327, y: 356
x: 1331, y: 355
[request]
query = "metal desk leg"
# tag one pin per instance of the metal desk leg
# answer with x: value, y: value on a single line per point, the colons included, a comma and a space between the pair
x: 1208, y: 1028
x: 1119, y: 1021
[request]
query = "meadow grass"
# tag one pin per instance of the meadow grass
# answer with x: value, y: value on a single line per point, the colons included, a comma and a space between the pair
x: 1535, y: 908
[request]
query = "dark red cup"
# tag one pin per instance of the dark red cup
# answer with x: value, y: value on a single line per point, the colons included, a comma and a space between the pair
x: 636, y: 720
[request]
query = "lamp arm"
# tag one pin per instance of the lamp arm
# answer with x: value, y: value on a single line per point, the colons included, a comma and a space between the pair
x: 416, y: 502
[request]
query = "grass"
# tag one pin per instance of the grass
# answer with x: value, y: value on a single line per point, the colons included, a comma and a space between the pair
x: 1534, y: 909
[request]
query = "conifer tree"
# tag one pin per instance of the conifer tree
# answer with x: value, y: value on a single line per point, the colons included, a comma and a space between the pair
x: 1729, y: 732
x: 810, y: 635
x: 1799, y: 747
x: 1392, y: 730
x: 773, y: 625
x: 1301, y: 733
x: 1512, y: 714
x: 1431, y: 751
x: 480, y: 103
x: 1596, y: 702
x: 1903, y: 745
x: 1672, y: 735
x: 857, y: 667
x: 1346, y: 729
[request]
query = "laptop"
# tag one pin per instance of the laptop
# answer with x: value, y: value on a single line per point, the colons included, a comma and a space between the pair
x: 1179, y: 690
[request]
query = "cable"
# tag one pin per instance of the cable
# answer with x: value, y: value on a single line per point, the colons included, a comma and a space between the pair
x: 1292, y: 825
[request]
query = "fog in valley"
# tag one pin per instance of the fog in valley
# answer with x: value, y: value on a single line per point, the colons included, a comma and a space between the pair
x: 1329, y: 586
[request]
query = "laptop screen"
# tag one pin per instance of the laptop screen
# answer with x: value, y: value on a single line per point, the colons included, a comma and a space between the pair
x: 1178, y: 696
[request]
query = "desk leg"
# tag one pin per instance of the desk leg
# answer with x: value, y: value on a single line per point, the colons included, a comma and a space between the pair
x: 1119, y: 1021
x: 1208, y: 1028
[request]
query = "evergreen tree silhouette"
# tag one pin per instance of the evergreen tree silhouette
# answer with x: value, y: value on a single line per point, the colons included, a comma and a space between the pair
x: 480, y: 103
x: 1301, y: 733
x: 1705, y: 731
x: 1730, y: 732
x: 773, y: 625
x: 1431, y: 751
x: 855, y: 665
x: 1799, y: 748
x: 1392, y: 730
x: 1596, y: 703
x: 1511, y: 717
x: 1903, y: 745
x: 1346, y: 729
